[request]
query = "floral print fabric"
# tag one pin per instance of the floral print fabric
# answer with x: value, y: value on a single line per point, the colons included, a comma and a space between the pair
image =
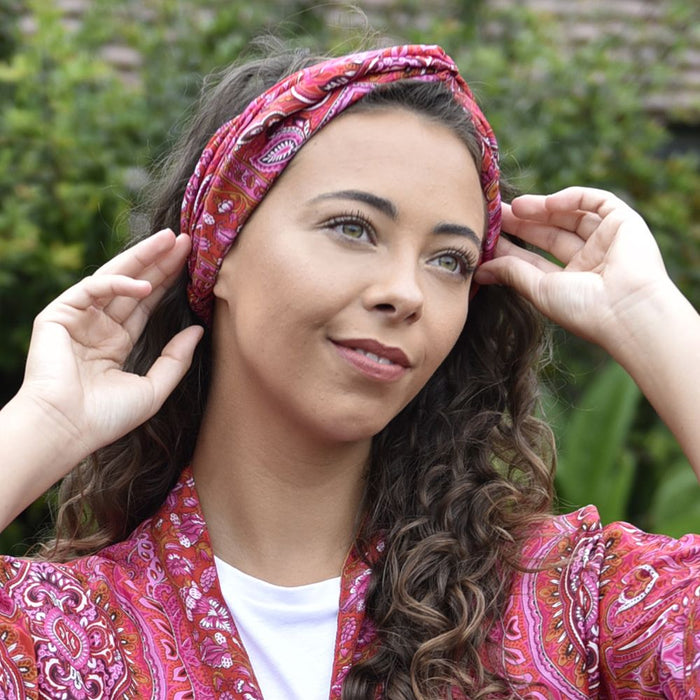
x: 611, y: 613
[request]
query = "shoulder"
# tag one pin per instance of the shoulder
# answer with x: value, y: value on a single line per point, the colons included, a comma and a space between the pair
x: 123, y: 560
x: 605, y: 606
x: 619, y: 554
x: 79, y: 618
x: 107, y: 580
x: 619, y: 566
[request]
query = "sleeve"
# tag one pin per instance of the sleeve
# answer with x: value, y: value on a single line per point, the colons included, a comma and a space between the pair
x: 18, y: 669
x: 604, y: 612
x: 649, y: 614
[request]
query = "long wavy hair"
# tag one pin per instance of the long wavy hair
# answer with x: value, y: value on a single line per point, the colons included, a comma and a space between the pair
x: 456, y: 480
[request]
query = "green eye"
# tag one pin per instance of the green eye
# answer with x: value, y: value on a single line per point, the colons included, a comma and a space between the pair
x: 351, y: 226
x: 456, y: 262
x: 352, y: 229
x: 448, y: 262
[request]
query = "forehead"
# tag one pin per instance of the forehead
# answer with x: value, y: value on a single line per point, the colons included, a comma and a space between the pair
x: 396, y: 153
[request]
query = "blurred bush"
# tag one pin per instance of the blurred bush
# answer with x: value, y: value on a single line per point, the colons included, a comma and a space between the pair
x: 85, y: 109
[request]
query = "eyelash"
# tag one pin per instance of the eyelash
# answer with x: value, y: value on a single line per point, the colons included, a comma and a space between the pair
x: 352, y: 217
x: 465, y: 257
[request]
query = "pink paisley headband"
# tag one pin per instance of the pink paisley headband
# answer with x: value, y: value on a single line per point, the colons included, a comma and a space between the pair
x: 247, y: 154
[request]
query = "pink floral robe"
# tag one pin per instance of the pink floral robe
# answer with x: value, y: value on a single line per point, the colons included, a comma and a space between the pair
x: 145, y: 618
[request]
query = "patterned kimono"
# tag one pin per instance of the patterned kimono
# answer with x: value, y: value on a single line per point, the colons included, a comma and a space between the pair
x: 145, y: 618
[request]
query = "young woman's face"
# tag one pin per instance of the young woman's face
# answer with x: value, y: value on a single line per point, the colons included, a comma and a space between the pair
x: 349, y: 284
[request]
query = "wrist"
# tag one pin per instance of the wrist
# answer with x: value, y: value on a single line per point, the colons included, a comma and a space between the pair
x: 50, y: 435
x: 645, y: 322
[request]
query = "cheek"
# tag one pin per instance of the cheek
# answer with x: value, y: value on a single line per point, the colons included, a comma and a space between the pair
x: 285, y: 299
x: 446, y: 332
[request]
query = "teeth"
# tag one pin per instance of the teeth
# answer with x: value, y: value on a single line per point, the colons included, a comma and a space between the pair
x: 372, y: 356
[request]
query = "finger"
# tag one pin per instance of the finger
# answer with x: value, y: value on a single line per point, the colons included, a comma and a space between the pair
x: 79, y: 313
x: 506, y: 251
x: 515, y: 272
x: 561, y: 243
x: 139, y: 257
x: 585, y: 199
x: 161, y: 273
x: 585, y: 203
x: 506, y: 248
x: 99, y: 291
x: 137, y: 317
x: 167, y: 371
x: 536, y: 208
x: 135, y: 313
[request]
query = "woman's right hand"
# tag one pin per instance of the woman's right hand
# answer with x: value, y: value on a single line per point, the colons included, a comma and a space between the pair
x: 75, y: 396
x: 81, y: 340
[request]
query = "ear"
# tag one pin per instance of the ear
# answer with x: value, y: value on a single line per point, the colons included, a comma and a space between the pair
x: 220, y: 286
x: 223, y: 285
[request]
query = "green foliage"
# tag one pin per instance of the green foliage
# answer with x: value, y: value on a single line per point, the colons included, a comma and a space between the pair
x: 76, y: 135
x: 667, y: 498
x: 26, y: 530
x: 67, y: 135
x: 675, y: 509
x: 604, y: 458
x: 594, y: 465
x: 9, y: 12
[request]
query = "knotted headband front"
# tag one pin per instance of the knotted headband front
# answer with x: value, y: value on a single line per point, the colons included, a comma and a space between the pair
x: 247, y: 154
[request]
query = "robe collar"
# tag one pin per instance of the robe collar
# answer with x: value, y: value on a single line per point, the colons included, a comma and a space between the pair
x: 207, y: 628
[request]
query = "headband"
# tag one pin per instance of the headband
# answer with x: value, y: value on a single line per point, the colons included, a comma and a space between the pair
x: 248, y: 153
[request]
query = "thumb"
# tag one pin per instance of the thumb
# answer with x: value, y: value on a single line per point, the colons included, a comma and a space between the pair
x: 172, y: 365
x: 513, y: 272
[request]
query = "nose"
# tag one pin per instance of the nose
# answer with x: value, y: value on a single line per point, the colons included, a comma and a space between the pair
x: 395, y: 291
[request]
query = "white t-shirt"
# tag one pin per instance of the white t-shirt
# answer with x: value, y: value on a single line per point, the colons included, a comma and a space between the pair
x: 288, y: 632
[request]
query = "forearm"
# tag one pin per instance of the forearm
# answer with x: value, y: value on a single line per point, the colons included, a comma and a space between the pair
x: 36, y: 452
x: 662, y: 354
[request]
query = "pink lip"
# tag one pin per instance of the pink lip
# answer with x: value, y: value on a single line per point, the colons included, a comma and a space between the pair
x: 348, y: 349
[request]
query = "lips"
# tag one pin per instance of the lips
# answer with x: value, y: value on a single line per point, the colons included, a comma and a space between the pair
x: 373, y: 360
x: 376, y: 351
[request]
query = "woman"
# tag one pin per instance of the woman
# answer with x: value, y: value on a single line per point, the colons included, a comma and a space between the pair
x: 346, y: 491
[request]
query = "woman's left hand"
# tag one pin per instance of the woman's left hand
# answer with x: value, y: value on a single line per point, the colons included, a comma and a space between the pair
x: 611, y: 270
x: 612, y: 289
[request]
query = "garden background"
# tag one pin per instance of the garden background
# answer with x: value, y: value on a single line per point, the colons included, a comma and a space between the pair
x: 92, y: 92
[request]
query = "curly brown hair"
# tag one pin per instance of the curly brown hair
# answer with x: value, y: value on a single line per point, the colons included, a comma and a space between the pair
x: 455, y: 482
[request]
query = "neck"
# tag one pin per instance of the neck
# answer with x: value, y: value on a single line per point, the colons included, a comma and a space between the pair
x: 278, y: 506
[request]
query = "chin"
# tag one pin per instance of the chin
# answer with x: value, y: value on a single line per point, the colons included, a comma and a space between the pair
x: 353, y: 429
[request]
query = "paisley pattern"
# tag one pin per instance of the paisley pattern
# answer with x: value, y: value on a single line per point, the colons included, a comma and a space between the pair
x: 613, y: 612
x: 248, y: 153
x: 609, y: 612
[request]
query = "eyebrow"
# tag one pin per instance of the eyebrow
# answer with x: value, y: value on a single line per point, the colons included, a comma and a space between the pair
x: 383, y: 205
x: 389, y: 209
x: 457, y: 229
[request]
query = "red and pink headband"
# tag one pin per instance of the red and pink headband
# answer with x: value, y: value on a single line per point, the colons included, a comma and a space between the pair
x: 247, y: 154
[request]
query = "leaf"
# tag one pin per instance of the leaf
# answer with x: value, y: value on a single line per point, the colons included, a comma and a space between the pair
x: 593, y: 464
x: 675, y: 508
